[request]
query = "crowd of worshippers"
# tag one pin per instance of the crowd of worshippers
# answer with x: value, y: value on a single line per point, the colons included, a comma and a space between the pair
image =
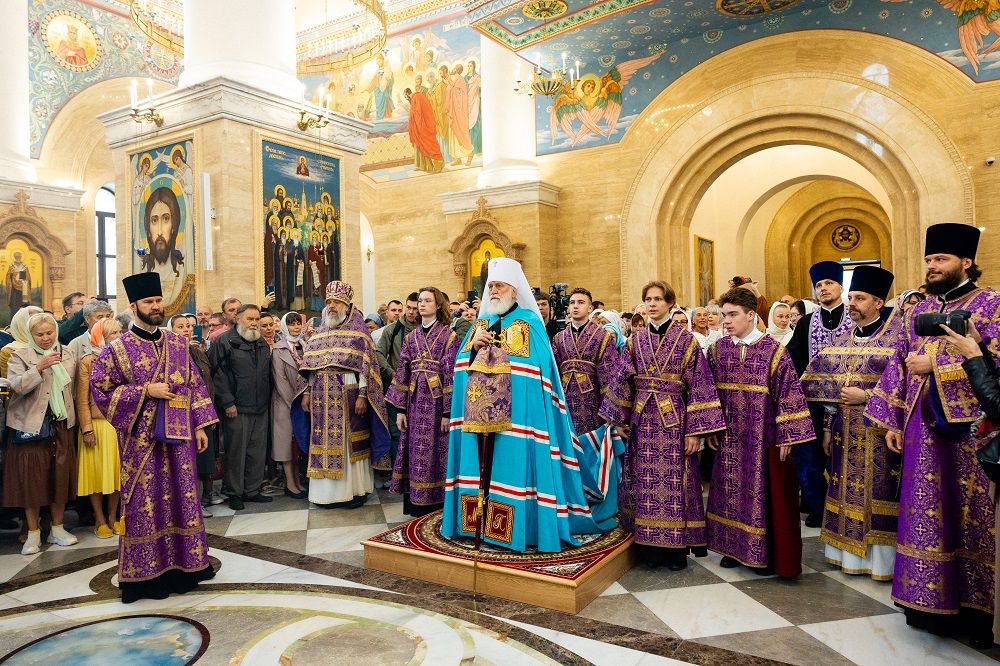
x: 841, y: 407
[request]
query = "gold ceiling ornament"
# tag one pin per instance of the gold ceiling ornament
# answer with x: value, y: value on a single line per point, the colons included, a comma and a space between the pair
x: 749, y: 8
x: 543, y: 10
x: 342, y: 42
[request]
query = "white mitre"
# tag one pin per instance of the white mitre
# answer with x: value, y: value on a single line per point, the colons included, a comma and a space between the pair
x: 509, y: 271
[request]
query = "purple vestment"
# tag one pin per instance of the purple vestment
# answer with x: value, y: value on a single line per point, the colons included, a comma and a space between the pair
x: 164, y: 529
x: 862, y: 499
x: 587, y: 362
x: 339, y: 435
x: 663, y: 390
x: 763, y: 405
x: 945, y: 543
x: 421, y: 388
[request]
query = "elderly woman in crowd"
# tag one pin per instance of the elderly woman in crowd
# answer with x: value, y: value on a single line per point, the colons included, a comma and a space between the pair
x: 778, y: 323
x: 19, y: 331
x: 714, y: 317
x: 288, y: 420
x: 699, y: 325
x: 99, y: 470
x: 40, y: 465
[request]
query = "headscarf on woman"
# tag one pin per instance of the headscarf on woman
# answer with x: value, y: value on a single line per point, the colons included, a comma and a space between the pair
x: 905, y: 296
x: 19, y: 326
x: 782, y: 335
x: 287, y: 340
x: 60, y: 378
x: 612, y: 322
x: 101, y: 330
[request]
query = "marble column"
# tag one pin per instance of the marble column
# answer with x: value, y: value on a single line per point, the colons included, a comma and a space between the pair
x: 508, y: 120
x: 15, y: 163
x: 247, y: 41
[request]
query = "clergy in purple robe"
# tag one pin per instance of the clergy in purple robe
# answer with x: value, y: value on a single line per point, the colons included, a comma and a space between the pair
x: 753, y: 506
x: 346, y: 405
x: 150, y: 390
x: 587, y: 357
x: 814, y: 332
x: 862, y: 499
x: 945, y: 546
x: 421, y: 390
x: 664, y: 395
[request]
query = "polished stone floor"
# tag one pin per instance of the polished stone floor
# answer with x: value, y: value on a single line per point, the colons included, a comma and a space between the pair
x: 292, y: 589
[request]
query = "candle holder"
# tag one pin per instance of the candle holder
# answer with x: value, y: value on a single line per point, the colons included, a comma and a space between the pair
x: 308, y: 120
x: 149, y: 115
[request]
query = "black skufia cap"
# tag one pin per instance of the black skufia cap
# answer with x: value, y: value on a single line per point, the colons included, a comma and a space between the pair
x: 872, y: 280
x: 826, y: 270
x: 961, y: 240
x: 142, y: 285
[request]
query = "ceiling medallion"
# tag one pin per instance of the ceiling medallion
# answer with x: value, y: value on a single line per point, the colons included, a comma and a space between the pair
x: 750, y: 8
x: 846, y: 237
x: 543, y: 10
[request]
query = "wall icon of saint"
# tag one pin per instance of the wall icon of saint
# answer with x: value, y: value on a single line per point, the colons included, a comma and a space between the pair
x: 71, y: 41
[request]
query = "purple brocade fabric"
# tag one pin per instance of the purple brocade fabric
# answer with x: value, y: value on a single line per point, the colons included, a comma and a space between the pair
x: 487, y: 394
x: 163, y: 525
x: 587, y: 363
x: 338, y: 435
x: 862, y: 501
x: 763, y: 406
x: 421, y: 387
x: 945, y: 540
x: 663, y: 390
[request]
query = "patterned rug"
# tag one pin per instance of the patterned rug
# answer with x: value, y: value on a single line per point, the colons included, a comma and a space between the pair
x: 424, y: 535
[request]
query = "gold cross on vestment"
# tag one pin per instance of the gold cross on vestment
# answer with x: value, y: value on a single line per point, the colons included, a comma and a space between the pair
x: 475, y: 394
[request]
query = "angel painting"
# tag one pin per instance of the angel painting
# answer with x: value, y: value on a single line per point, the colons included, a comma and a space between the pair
x: 976, y: 20
x: 593, y: 104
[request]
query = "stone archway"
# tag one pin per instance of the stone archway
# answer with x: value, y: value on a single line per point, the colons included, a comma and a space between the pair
x: 481, y: 226
x: 23, y: 222
x: 911, y: 156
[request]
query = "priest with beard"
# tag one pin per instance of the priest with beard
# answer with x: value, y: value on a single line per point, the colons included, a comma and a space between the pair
x: 814, y: 332
x: 151, y: 391
x: 512, y: 454
x: 346, y: 404
x: 944, y: 571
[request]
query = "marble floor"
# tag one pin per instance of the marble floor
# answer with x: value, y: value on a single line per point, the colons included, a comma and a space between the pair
x: 291, y: 588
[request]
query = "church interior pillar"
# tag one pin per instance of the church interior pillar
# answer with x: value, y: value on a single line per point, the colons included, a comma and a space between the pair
x: 15, y: 164
x: 508, y: 150
x: 250, y: 41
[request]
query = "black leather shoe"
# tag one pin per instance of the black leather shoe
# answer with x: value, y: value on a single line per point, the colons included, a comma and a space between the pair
x: 763, y: 571
x: 258, y: 498
x: 677, y: 565
x: 235, y: 503
x: 814, y: 520
x: 729, y: 563
x: 299, y: 495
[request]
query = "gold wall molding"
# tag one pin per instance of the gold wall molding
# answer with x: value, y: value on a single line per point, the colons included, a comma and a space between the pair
x: 23, y: 222
x: 481, y: 225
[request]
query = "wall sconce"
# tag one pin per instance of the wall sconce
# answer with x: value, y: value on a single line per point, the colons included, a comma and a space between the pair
x: 149, y: 114
x: 308, y: 120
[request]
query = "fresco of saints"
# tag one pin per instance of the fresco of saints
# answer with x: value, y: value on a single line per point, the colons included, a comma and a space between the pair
x: 182, y: 172
x: 142, y: 177
x: 423, y: 133
x: 70, y: 50
x: 380, y: 90
x: 302, y: 169
x: 457, y: 103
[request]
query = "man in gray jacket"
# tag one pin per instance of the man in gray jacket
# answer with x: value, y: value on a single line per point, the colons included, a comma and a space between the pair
x: 241, y: 372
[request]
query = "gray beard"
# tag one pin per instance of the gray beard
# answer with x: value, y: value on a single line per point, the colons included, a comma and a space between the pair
x: 500, y: 305
x: 249, y: 336
x: 334, y: 320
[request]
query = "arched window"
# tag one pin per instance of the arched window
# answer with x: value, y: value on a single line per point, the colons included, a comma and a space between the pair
x: 107, y: 263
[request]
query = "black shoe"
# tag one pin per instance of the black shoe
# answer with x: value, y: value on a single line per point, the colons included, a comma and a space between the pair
x: 357, y: 502
x: 677, y: 565
x: 299, y: 495
x: 981, y: 642
x: 235, y: 503
x: 258, y: 498
x: 729, y: 563
x: 814, y: 520
x: 763, y: 571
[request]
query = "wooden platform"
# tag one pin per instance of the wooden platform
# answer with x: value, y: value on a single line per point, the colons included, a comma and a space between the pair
x: 566, y: 581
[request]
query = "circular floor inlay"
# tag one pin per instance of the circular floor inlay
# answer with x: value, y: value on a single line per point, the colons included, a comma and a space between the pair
x: 157, y: 640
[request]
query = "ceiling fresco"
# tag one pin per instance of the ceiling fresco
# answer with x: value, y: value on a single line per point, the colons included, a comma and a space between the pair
x: 630, y: 51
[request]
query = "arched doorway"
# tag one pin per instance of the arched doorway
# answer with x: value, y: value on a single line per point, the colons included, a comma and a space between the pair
x: 826, y: 107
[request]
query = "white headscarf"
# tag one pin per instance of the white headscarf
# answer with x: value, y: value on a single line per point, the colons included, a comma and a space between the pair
x: 19, y: 326
x: 782, y: 335
x: 509, y: 272
x: 288, y: 340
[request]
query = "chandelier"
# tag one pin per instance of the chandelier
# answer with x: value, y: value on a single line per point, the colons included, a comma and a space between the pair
x: 548, y: 83
x: 349, y: 39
